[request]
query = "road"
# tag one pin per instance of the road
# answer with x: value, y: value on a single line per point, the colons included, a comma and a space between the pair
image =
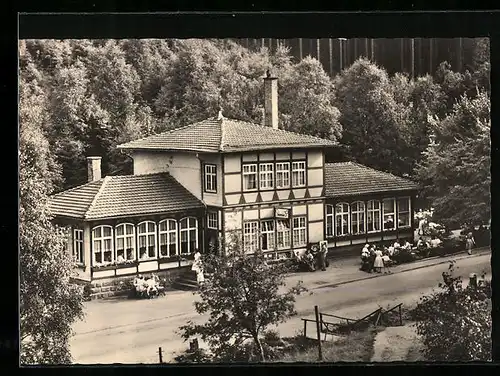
x: 130, y: 331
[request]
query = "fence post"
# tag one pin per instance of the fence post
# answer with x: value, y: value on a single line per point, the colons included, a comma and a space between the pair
x: 316, y: 312
x: 400, y: 316
x: 305, y: 328
x: 160, y: 355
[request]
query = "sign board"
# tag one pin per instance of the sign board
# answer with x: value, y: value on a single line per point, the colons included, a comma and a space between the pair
x: 281, y: 213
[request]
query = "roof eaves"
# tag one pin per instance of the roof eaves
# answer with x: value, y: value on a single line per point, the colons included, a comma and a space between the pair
x: 99, y: 192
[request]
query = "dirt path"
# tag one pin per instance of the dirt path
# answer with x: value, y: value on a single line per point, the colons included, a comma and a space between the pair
x: 397, y: 344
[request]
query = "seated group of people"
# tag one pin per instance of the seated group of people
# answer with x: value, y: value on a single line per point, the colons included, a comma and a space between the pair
x: 147, y: 286
x: 375, y: 259
x: 315, y: 258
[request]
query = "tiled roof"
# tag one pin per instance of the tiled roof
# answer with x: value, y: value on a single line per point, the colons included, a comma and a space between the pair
x: 349, y: 178
x: 119, y: 196
x: 226, y: 135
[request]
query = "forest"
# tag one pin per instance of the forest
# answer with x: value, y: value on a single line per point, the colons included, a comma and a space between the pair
x: 86, y: 96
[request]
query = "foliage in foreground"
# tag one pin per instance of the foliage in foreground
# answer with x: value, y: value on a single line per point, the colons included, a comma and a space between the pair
x: 455, y: 323
x: 242, y: 298
x: 49, y: 303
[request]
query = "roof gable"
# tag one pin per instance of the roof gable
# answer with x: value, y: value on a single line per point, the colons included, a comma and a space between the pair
x: 127, y: 195
x: 225, y: 135
x: 349, y: 179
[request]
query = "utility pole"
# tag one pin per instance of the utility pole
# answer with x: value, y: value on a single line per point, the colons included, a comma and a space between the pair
x: 160, y: 355
x: 412, y: 57
x: 300, y: 48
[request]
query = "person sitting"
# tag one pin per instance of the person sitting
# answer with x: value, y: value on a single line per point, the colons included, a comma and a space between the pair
x: 391, y: 249
x: 144, y: 256
x: 152, y: 286
x: 396, y: 245
x: 389, y: 223
x: 436, y: 242
x: 422, y: 244
x: 139, y: 284
x: 406, y: 246
x: 120, y: 259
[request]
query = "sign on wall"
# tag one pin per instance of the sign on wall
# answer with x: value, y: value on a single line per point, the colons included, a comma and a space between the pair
x: 281, y: 213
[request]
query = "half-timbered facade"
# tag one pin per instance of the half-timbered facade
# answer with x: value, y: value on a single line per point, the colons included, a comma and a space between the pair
x: 209, y: 181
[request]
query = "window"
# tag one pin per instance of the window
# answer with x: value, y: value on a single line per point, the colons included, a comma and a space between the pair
x: 189, y: 235
x: 283, y: 233
x: 358, y: 217
x: 342, y: 219
x: 298, y: 174
x: 267, y: 235
x: 78, y: 246
x: 102, y: 240
x: 250, y: 236
x: 299, y: 231
x: 125, y: 242
x: 404, y: 212
x: 329, y: 220
x: 282, y: 175
x: 168, y: 237
x: 373, y: 216
x: 266, y: 178
x: 146, y: 238
x: 249, y: 177
x: 212, y: 220
x: 210, y: 178
x: 389, y: 208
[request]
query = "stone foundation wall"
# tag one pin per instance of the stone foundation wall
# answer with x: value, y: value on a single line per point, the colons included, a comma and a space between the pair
x: 117, y: 286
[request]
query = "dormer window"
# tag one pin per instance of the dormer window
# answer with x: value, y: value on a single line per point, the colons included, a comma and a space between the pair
x: 210, y: 178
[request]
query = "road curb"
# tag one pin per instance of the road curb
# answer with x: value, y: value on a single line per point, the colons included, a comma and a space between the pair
x: 371, y: 276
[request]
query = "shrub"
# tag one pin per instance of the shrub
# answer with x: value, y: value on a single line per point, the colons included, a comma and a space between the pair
x: 403, y: 256
x: 455, y: 323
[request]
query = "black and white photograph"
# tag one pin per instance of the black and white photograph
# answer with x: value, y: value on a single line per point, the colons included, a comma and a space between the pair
x: 254, y: 200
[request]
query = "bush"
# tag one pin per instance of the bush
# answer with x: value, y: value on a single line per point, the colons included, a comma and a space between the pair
x: 403, y: 256
x: 455, y: 323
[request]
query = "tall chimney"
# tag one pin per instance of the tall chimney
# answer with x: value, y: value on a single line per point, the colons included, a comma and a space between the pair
x: 94, y: 168
x: 271, y: 101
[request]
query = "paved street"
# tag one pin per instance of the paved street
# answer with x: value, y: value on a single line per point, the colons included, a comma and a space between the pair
x: 130, y: 331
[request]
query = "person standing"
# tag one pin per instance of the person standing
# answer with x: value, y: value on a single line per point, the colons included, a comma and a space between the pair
x: 378, y: 264
x: 469, y: 242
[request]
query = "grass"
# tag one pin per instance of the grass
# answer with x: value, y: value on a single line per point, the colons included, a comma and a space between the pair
x: 355, y: 347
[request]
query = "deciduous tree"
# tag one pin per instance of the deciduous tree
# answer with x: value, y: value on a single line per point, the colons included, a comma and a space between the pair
x: 242, y: 295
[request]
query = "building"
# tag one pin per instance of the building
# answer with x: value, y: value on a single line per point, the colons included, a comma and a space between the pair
x: 198, y: 184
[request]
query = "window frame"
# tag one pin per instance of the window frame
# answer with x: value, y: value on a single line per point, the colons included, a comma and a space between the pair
x: 266, y: 174
x: 284, y: 232
x: 298, y: 170
x: 374, y: 210
x: 102, y: 239
x: 393, y: 214
x: 330, y: 217
x: 249, y: 173
x: 282, y: 172
x: 359, y: 212
x: 188, y: 229
x: 302, y: 232
x: 404, y: 212
x: 78, y: 254
x: 254, y: 241
x: 342, y: 214
x: 167, y: 234
x: 212, y: 219
x: 147, y: 234
x: 210, y: 177
x: 270, y: 235
x: 125, y: 236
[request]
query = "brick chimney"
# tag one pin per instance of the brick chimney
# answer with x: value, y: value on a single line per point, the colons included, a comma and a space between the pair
x: 271, y: 101
x: 94, y: 168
